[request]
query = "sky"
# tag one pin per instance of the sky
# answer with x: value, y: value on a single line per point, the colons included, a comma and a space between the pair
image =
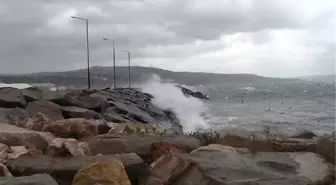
x: 277, y: 38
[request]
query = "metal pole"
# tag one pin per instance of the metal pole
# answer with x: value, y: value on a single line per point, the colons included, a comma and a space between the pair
x: 88, y: 53
x: 129, y: 69
x: 114, y: 67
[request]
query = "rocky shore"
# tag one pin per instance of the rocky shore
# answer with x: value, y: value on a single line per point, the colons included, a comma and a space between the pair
x: 118, y: 137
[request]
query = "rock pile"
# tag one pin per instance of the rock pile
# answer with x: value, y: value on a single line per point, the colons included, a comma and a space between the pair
x: 19, y: 106
x: 117, y: 137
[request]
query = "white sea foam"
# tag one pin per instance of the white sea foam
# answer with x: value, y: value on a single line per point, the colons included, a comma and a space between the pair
x: 168, y: 96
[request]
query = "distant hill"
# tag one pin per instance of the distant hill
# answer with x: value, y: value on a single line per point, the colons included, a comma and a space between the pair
x: 320, y: 78
x: 103, y: 76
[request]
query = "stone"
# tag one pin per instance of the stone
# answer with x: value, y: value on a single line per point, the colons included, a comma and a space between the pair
x: 15, y: 116
x: 114, y: 117
x: 11, y: 98
x: 4, y: 172
x: 37, y: 179
x: 64, y: 169
x: 16, y: 151
x: 306, y: 134
x: 14, y: 136
x: 103, y: 126
x: 162, y: 148
x: 141, y: 145
x: 325, y: 147
x: 3, y: 152
x: 31, y: 94
x: 64, y: 147
x: 220, y: 148
x: 38, y: 122
x: 20, y: 151
x: 261, y: 142
x: 68, y: 128
x: 165, y: 168
x: 48, y: 108
x: 89, y: 99
x: 231, y: 167
x: 133, y: 112
x: 110, y: 172
x: 132, y: 128
x: 189, y: 92
x: 53, y: 96
x: 78, y: 112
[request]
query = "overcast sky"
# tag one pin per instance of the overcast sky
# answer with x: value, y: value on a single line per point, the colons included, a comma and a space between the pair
x: 279, y: 38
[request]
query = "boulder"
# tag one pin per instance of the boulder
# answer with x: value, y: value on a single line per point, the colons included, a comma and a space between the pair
x: 63, y: 169
x: 67, y: 128
x: 326, y: 148
x: 64, y: 147
x: 15, y: 116
x: 53, y: 96
x: 89, y: 99
x: 164, y: 168
x: 78, y: 112
x: 15, y: 152
x: 132, y: 111
x: 31, y: 94
x: 195, y: 94
x: 15, y: 136
x: 306, y: 134
x: 3, y: 152
x: 112, y: 116
x: 37, y: 179
x: 163, y: 148
x: 110, y: 172
x: 111, y: 144
x: 261, y: 142
x: 4, y: 172
x: 11, y: 98
x: 232, y: 167
x: 48, y: 108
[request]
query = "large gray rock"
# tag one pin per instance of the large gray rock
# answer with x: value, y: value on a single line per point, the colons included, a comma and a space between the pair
x: 106, y: 144
x: 16, y: 116
x: 228, y: 166
x: 114, y: 117
x: 89, y: 99
x: 78, y: 112
x: 38, y: 179
x: 48, y: 108
x: 31, y: 94
x: 64, y: 169
x: 11, y: 98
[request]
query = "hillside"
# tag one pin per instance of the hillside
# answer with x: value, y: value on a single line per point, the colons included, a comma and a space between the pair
x: 103, y: 76
x: 320, y: 78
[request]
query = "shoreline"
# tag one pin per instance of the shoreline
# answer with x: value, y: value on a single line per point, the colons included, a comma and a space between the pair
x: 120, y: 138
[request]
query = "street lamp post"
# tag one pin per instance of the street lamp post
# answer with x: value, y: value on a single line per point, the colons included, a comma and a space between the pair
x: 114, y: 63
x: 129, y: 67
x: 87, y: 48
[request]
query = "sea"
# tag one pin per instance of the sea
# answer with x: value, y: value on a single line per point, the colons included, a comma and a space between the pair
x: 288, y: 106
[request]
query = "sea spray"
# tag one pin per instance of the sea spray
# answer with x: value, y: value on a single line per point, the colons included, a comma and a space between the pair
x: 168, y: 96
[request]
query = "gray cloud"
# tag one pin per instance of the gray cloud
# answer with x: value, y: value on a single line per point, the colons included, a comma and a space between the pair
x: 40, y: 35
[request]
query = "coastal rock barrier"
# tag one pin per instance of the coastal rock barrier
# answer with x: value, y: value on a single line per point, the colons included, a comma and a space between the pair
x: 118, y: 137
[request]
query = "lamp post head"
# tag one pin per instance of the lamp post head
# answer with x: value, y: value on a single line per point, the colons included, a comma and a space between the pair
x: 74, y: 17
x: 105, y: 38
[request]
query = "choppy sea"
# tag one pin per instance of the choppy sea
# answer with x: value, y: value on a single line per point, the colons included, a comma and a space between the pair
x: 288, y: 106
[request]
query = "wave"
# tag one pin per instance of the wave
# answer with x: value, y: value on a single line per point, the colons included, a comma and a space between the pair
x: 167, y: 96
